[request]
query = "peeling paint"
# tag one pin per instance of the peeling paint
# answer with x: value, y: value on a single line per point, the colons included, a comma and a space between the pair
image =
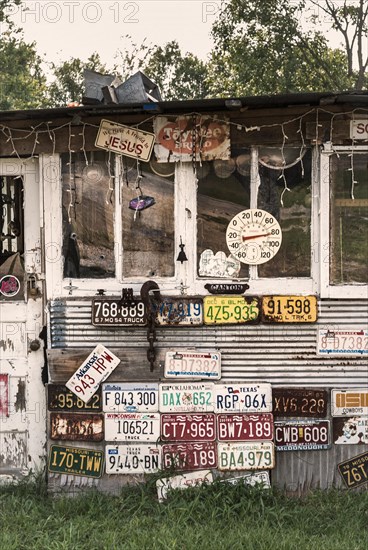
x: 20, y: 398
x: 7, y: 344
x: 13, y: 446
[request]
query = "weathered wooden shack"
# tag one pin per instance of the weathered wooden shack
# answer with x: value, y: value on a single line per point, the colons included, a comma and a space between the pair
x: 217, y: 243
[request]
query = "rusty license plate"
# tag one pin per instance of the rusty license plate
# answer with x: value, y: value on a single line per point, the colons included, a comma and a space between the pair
x: 244, y: 427
x: 188, y: 427
x: 227, y: 310
x: 299, y: 402
x: 111, y: 313
x: 246, y: 456
x: 354, y: 471
x: 303, y: 435
x: 181, y: 311
x: 289, y: 309
x: 75, y: 461
x: 59, y: 398
x: 189, y: 456
x: 76, y: 427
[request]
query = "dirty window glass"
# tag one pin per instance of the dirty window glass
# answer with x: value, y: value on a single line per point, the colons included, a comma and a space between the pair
x: 88, y: 210
x: 12, y: 223
x: 286, y: 194
x: 349, y: 218
x: 223, y: 192
x: 148, y: 219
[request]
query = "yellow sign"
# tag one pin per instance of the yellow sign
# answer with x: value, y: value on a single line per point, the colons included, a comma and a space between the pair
x: 222, y: 310
x: 125, y: 140
x: 289, y: 309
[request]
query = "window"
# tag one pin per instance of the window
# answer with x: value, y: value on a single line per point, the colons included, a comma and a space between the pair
x: 12, y: 220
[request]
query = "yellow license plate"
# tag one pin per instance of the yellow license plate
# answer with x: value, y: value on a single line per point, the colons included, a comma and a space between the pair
x: 289, y: 309
x: 221, y: 310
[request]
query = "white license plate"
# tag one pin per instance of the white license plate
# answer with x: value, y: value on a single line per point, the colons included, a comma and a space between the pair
x: 132, y: 427
x: 186, y: 397
x: 132, y: 459
x: 352, y: 402
x: 243, y: 398
x: 246, y: 456
x: 342, y: 342
x: 193, y: 364
x: 182, y: 481
x: 252, y: 479
x: 130, y: 397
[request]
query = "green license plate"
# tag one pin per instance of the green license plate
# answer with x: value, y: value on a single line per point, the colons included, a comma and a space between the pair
x: 221, y: 310
x: 75, y: 461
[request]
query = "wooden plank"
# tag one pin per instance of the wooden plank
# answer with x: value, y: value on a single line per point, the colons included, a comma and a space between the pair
x: 134, y: 365
x: 338, y: 132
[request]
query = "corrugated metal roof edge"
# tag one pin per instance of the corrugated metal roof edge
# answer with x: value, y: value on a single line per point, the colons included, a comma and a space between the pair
x: 201, y: 105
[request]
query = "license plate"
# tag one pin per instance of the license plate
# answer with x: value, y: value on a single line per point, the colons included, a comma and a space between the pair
x: 132, y: 459
x: 243, y: 398
x: 289, y: 309
x: 252, y: 479
x: 194, y: 397
x: 342, y: 342
x: 110, y: 312
x: 244, y: 427
x: 189, y: 456
x: 349, y: 402
x: 130, y: 397
x: 354, y: 471
x: 59, y: 398
x: 246, y: 456
x: 350, y: 431
x: 193, y: 364
x: 226, y: 310
x: 75, y: 461
x: 188, y: 427
x: 94, y: 370
x: 302, y: 435
x: 76, y: 427
x: 182, y: 481
x: 299, y: 402
x: 180, y: 312
x: 132, y: 426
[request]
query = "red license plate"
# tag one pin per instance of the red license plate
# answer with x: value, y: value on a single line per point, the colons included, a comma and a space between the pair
x: 189, y: 456
x: 188, y: 427
x: 245, y: 427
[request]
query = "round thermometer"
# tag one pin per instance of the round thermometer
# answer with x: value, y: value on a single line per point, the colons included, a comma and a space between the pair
x: 253, y: 236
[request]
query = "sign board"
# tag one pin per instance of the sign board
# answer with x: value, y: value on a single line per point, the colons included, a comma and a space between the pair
x: 189, y: 456
x: 246, y: 456
x: 181, y: 311
x: 111, y: 312
x: 255, y: 478
x: 359, y: 128
x: 76, y: 427
x: 302, y: 435
x: 132, y: 459
x: 244, y: 427
x: 59, y: 398
x: 188, y: 427
x: 4, y: 395
x: 226, y: 288
x: 125, y: 140
x: 75, y: 461
x: 193, y: 364
x: 177, y: 139
x: 299, y: 402
x: 342, y: 342
x: 188, y: 397
x: 354, y: 471
x: 230, y: 310
x: 352, y: 402
x: 130, y: 397
x: 243, y: 398
x: 289, y: 309
x: 94, y: 370
x: 182, y: 481
x: 132, y: 427
x: 350, y: 431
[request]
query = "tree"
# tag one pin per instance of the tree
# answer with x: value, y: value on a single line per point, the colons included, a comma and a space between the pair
x: 261, y: 47
x: 6, y: 7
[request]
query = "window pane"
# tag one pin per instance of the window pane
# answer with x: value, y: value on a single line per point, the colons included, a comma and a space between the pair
x: 148, y: 234
x: 291, y: 208
x: 88, y: 210
x: 223, y: 192
x: 12, y: 222
x: 349, y: 218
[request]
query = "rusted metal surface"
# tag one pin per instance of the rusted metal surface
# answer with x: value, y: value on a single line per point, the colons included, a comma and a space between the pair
x: 59, y: 398
x: 76, y: 427
x: 299, y: 402
x: 354, y: 471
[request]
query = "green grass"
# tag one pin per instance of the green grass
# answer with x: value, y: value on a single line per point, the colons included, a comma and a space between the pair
x: 216, y: 517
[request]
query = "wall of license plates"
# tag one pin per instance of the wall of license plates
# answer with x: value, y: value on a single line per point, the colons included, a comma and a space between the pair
x: 193, y: 426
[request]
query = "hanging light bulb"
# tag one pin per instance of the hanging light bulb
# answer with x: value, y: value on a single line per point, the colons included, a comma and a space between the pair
x: 182, y: 257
